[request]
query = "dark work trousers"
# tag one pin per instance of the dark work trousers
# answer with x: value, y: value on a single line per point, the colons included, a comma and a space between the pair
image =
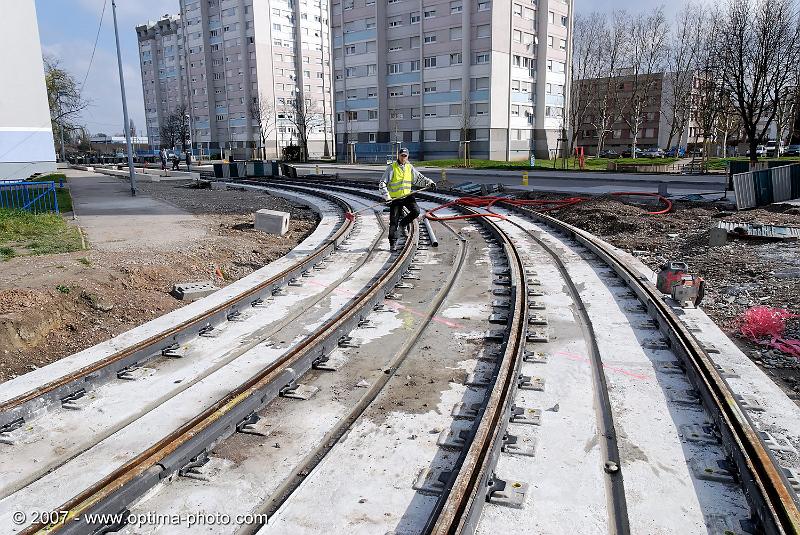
x: 396, y: 218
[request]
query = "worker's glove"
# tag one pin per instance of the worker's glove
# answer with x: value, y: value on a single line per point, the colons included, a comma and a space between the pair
x: 388, y: 198
x: 432, y: 185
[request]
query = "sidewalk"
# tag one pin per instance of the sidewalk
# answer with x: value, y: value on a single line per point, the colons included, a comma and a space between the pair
x: 114, y: 220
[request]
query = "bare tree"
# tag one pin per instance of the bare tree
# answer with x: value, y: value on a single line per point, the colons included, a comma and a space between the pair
x: 758, y: 44
x: 180, y: 117
x: 263, y: 113
x: 587, y: 66
x: 644, y: 52
x: 64, y: 99
x: 786, y: 111
x: 168, y: 132
x: 683, y: 47
x: 610, y: 41
x: 306, y: 116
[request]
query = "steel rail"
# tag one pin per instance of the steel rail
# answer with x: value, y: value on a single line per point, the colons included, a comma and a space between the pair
x: 771, y: 497
x: 458, y: 508
x: 114, y: 492
x: 21, y: 407
x: 300, y: 472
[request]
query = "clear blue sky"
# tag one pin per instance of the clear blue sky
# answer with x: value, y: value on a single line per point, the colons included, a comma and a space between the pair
x: 67, y: 29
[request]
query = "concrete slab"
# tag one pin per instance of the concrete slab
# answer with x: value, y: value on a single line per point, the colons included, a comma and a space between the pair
x: 115, y: 220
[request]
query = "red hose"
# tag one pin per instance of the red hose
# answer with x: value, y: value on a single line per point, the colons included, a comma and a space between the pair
x: 542, y: 205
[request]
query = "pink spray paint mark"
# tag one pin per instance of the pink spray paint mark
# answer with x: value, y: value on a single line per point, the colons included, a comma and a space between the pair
x: 580, y: 358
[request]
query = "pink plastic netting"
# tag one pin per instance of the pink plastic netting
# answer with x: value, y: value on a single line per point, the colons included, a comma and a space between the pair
x: 767, y: 326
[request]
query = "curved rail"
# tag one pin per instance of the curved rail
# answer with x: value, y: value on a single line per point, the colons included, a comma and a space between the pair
x: 189, y: 443
x: 769, y: 493
x: 15, y: 410
x: 767, y: 489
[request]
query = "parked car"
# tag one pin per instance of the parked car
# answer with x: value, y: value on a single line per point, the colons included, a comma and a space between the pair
x: 611, y: 154
x: 676, y: 152
x: 792, y: 150
x: 761, y: 151
x: 653, y: 152
x: 627, y: 153
x: 774, y: 148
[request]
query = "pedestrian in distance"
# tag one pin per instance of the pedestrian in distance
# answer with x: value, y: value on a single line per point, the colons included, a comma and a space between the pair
x: 395, y: 186
x: 175, y: 161
x: 163, y: 154
x: 188, y: 160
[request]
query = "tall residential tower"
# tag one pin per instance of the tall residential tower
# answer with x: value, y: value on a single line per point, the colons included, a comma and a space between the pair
x: 437, y: 75
x: 243, y: 68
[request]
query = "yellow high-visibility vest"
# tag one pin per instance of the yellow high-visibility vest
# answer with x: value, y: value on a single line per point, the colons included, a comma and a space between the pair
x: 400, y: 183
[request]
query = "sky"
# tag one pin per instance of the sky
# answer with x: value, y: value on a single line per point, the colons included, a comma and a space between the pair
x: 67, y: 29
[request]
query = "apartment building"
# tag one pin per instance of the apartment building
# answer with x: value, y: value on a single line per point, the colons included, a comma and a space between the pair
x: 655, y: 124
x: 243, y: 68
x: 26, y: 137
x: 438, y: 75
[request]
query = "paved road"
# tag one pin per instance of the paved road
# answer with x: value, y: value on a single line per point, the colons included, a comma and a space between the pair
x: 556, y: 181
x: 114, y: 220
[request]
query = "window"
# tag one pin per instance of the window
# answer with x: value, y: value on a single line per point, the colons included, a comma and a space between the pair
x: 395, y: 68
x: 430, y: 111
x: 430, y: 38
x: 414, y: 17
x: 455, y: 110
x: 372, y: 137
x: 395, y: 22
x: 455, y: 33
x: 562, y: 44
x: 430, y: 13
x: 373, y: 114
x: 430, y: 87
x: 551, y: 17
x: 481, y: 58
x: 456, y: 7
x: 455, y: 59
x: 349, y: 50
x: 415, y: 42
x: 484, y: 6
x: 430, y: 62
x: 396, y: 91
x: 415, y: 65
x: 372, y: 69
x: 564, y: 21
x: 518, y: 10
x: 370, y: 23
x: 515, y: 110
x: 484, y: 30
x: 476, y: 84
x: 414, y: 89
x: 372, y: 92
x: 517, y: 36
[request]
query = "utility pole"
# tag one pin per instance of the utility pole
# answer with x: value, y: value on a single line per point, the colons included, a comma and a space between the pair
x: 124, y: 103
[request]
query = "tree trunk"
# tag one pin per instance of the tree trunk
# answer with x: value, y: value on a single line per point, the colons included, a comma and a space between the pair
x: 753, y: 143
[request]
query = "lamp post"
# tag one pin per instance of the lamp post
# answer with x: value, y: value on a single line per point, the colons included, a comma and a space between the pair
x: 131, y: 172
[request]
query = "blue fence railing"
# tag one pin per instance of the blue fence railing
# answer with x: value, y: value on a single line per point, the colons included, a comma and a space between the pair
x: 29, y: 196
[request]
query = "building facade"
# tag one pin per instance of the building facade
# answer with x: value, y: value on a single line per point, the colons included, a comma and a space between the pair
x: 620, y: 93
x: 440, y: 75
x: 26, y: 136
x: 254, y: 75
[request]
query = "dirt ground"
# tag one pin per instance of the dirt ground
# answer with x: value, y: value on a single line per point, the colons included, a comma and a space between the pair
x: 739, y: 275
x: 53, y: 306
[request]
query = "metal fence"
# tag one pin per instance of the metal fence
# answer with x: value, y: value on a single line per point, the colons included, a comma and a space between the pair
x: 29, y: 196
x: 766, y: 186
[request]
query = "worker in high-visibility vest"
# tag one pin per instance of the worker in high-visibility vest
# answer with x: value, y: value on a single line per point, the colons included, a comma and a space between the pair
x: 395, y: 186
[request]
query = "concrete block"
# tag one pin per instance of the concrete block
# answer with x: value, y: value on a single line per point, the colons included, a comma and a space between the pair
x: 187, y: 291
x: 272, y: 222
x: 216, y: 186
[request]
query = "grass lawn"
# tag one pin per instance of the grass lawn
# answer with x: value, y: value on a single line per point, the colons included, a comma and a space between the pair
x: 24, y: 233
x: 592, y: 164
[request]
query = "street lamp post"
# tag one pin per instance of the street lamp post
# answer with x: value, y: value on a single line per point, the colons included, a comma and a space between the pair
x: 131, y: 172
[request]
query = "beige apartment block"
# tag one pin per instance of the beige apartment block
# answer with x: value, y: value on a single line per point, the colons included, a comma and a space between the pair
x: 221, y: 57
x: 438, y: 75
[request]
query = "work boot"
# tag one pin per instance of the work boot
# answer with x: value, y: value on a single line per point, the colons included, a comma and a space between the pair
x: 403, y: 237
x: 392, y: 246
